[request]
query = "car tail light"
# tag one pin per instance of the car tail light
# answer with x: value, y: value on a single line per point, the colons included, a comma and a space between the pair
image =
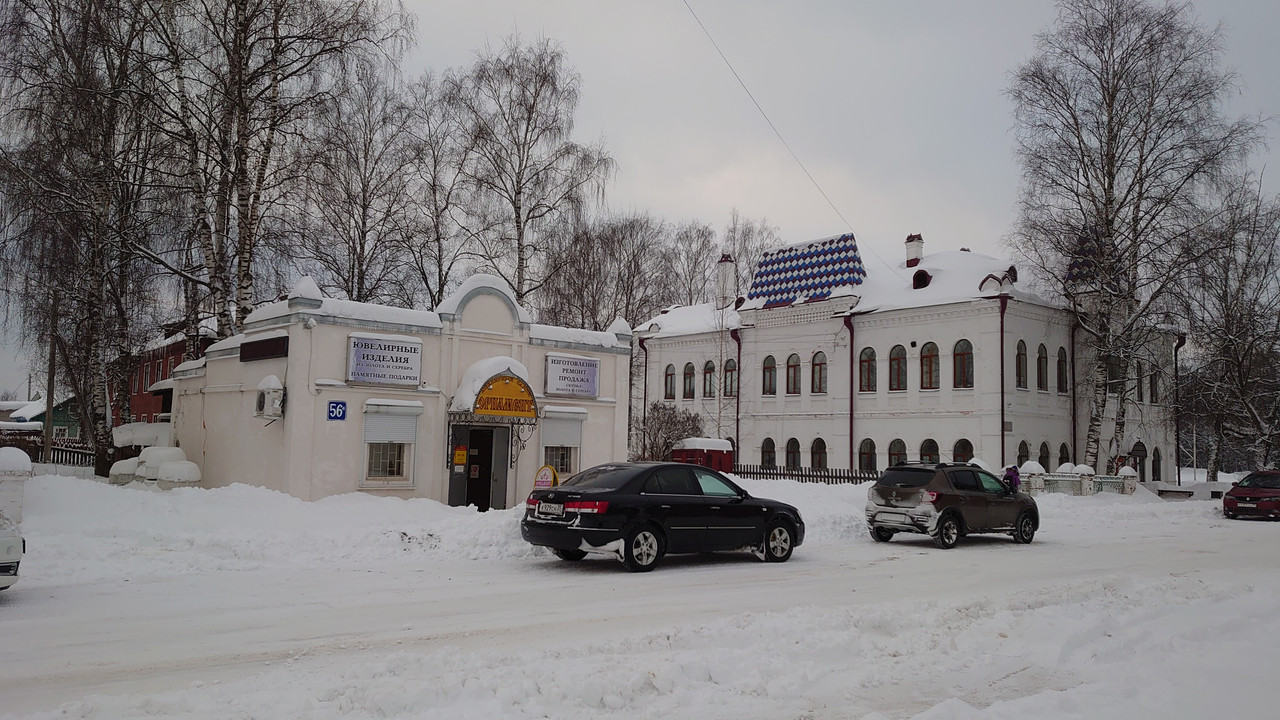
x: 587, y: 506
x: 929, y: 496
x: 529, y: 502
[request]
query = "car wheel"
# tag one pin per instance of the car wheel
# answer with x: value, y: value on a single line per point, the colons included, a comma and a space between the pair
x: 882, y: 534
x: 948, y: 532
x: 1025, y: 528
x: 643, y: 548
x: 570, y: 555
x: 778, y: 542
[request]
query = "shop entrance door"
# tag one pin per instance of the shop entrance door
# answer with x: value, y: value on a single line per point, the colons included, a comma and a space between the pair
x: 480, y: 467
x: 482, y: 480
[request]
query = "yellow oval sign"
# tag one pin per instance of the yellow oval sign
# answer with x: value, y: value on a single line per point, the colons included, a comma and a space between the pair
x: 506, y: 396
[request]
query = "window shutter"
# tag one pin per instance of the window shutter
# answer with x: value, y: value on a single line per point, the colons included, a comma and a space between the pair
x: 381, y: 428
x: 561, y: 433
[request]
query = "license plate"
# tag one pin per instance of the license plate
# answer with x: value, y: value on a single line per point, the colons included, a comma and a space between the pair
x: 1246, y: 504
x: 547, y: 508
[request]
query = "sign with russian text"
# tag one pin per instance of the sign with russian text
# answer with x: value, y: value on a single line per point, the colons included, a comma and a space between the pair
x: 506, y: 396
x: 384, y: 360
x: 546, y: 477
x: 573, y: 376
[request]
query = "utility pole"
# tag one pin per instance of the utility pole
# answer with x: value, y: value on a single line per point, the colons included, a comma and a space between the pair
x: 48, y: 400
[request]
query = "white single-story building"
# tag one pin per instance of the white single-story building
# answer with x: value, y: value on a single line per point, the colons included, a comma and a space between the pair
x: 463, y: 404
x: 828, y: 363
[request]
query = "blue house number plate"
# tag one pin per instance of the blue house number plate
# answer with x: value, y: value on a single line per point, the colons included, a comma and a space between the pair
x: 337, y: 410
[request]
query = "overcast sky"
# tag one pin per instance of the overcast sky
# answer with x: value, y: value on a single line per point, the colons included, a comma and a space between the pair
x: 896, y: 109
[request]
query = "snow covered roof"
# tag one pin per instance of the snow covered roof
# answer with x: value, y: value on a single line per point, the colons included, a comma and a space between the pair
x: 691, y: 319
x: 806, y: 273
x: 10, y: 405
x: 801, y: 274
x: 480, y: 281
x: 573, y: 335
x: 33, y: 409
x: 703, y: 444
x: 307, y: 296
x: 478, y: 374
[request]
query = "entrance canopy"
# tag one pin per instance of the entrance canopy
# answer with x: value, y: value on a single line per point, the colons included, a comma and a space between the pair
x: 495, y: 390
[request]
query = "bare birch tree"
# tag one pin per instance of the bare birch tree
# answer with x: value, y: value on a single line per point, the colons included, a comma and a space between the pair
x: 79, y: 191
x: 1119, y: 127
x: 518, y: 106
x: 359, y: 211
x: 1232, y: 391
x: 746, y: 240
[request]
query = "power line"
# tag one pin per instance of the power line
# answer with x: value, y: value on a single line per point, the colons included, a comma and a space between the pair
x: 773, y: 127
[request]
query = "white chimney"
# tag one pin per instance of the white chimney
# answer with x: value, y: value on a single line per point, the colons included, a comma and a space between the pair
x: 915, y: 249
x: 726, y: 281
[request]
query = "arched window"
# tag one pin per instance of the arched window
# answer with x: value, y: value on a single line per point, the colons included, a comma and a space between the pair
x: 688, y: 381
x: 930, y: 371
x: 1155, y: 465
x: 793, y: 374
x: 1062, y: 370
x: 897, y: 452
x: 818, y: 373
x: 1064, y: 456
x: 1155, y: 387
x: 898, y: 368
x: 793, y: 453
x: 769, y: 382
x: 1044, y: 456
x: 709, y: 380
x: 962, y: 364
x: 867, y: 456
x: 1020, y: 366
x: 963, y: 451
x: 1139, y: 457
x: 768, y: 457
x: 1042, y: 368
x: 730, y: 378
x: 669, y: 383
x: 1024, y: 452
x: 818, y: 454
x: 867, y: 370
x: 929, y: 451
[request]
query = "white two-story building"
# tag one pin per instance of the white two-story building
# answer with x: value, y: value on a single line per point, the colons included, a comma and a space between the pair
x: 829, y: 363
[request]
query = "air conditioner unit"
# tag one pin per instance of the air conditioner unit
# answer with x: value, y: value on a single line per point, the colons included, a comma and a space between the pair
x: 270, y: 403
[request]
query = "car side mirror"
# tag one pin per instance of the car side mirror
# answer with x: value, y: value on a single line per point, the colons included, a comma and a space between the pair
x: 1234, y: 483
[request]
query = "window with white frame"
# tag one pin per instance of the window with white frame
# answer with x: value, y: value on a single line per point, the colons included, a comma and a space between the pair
x: 390, y: 433
x: 560, y: 433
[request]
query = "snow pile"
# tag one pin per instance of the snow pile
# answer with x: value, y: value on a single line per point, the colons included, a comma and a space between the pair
x: 364, y: 607
x: 14, y: 461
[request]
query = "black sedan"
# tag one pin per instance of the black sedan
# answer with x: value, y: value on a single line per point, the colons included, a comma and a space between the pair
x: 642, y: 511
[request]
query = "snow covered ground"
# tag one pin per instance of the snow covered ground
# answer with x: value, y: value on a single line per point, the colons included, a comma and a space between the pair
x: 243, y: 603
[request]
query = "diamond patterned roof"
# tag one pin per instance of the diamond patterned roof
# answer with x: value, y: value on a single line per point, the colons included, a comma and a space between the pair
x: 807, y: 272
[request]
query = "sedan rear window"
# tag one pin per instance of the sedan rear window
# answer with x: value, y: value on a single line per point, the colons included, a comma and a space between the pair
x: 906, y: 477
x: 603, y: 477
x: 1262, y: 480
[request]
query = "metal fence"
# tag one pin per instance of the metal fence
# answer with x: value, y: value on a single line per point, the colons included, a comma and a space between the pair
x: 33, y: 445
x: 826, y: 476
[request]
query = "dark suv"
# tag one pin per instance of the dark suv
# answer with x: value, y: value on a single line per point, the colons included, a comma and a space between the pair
x: 945, y: 501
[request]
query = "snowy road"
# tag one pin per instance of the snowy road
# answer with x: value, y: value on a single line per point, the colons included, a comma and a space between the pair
x: 1114, y: 609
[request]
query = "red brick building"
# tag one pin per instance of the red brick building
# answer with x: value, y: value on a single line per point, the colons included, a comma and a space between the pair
x: 155, y: 363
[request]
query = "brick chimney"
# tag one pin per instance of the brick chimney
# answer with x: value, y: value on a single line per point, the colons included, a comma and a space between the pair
x: 726, y: 281
x: 915, y: 249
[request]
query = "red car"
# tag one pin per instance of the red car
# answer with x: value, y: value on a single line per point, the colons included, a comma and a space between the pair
x: 1257, y: 495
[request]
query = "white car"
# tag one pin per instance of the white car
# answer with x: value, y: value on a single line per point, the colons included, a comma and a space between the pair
x: 12, y: 547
